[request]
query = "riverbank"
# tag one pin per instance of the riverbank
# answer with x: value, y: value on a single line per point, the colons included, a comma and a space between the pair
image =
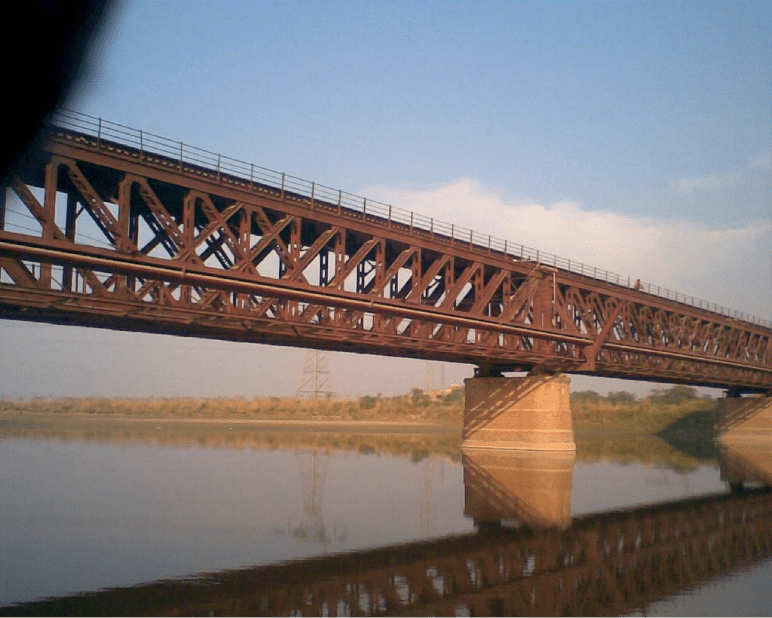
x: 416, y: 412
x: 416, y: 441
x: 415, y: 426
x: 416, y: 409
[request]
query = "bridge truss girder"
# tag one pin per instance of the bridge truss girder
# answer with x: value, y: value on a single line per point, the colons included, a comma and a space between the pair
x: 131, y: 241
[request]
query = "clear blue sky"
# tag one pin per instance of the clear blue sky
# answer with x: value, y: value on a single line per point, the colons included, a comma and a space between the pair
x: 632, y: 135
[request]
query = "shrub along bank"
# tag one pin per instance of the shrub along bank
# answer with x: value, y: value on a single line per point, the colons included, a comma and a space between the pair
x: 654, y: 413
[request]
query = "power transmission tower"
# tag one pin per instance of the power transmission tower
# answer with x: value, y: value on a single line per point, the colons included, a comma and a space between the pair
x: 314, y: 383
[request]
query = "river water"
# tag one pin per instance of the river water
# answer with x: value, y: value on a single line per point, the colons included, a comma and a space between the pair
x: 174, y: 518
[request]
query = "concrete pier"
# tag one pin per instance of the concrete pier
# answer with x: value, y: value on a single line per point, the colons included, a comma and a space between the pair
x: 531, y: 413
x: 745, y: 420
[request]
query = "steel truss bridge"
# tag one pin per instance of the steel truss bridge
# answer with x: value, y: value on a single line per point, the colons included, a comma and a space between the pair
x: 109, y: 227
x: 608, y: 564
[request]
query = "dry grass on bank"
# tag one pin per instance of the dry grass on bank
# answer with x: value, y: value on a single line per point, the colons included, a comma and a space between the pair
x: 649, y: 415
x: 414, y: 408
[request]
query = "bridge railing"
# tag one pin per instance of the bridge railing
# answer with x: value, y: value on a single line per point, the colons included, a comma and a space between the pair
x: 151, y: 144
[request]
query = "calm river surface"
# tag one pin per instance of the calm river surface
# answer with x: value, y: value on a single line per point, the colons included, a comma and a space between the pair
x: 164, y: 519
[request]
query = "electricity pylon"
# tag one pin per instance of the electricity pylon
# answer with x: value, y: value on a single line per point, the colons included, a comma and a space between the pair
x: 314, y: 382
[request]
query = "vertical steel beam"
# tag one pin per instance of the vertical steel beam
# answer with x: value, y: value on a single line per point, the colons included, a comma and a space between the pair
x: 131, y: 280
x: 340, y: 252
x: 244, y: 240
x: 543, y: 311
x: 416, y: 270
x: 49, y: 223
x: 188, y: 234
x: 69, y: 232
x: 123, y: 224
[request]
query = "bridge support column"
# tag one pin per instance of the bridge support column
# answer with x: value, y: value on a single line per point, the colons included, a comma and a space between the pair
x: 745, y: 420
x: 532, y: 413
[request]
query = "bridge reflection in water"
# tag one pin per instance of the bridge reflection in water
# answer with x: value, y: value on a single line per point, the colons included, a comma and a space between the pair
x: 528, y: 556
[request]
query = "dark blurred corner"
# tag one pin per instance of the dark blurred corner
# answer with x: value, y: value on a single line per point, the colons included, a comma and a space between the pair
x: 42, y: 64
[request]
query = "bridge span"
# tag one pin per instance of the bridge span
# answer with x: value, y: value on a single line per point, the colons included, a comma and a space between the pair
x: 110, y: 227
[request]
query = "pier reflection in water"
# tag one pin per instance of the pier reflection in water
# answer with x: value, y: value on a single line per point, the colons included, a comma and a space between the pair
x: 375, y: 533
x: 524, y: 488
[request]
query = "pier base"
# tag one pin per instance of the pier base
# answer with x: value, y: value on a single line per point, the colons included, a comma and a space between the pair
x: 745, y: 420
x: 531, y: 413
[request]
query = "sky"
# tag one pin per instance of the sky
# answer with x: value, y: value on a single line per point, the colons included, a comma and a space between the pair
x: 635, y: 136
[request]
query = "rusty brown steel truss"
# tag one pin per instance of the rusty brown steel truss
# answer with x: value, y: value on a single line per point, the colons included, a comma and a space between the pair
x: 121, y: 237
